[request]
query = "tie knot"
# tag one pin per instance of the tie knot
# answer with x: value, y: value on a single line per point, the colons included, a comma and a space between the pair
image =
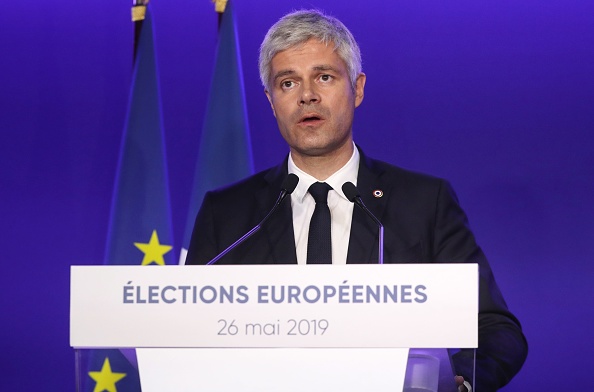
x: 319, y: 191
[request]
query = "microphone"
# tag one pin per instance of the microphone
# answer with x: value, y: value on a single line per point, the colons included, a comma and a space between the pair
x: 287, y: 187
x: 352, y: 193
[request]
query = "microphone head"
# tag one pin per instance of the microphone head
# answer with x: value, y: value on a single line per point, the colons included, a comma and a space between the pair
x: 350, y: 191
x: 290, y: 183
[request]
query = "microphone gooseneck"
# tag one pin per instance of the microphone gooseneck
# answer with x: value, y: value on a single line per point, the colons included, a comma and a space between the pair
x: 352, y: 193
x: 287, y: 187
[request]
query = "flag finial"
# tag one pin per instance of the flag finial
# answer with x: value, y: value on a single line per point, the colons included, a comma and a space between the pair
x: 139, y: 10
x: 220, y: 5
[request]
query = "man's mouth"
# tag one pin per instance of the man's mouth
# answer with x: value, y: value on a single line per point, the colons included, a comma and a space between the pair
x: 308, y: 119
x: 312, y: 118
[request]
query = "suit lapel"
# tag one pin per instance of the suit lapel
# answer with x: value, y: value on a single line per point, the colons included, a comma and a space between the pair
x: 364, y: 232
x: 279, y: 228
x: 363, y: 241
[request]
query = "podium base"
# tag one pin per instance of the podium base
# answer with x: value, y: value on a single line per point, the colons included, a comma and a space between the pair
x: 272, y: 369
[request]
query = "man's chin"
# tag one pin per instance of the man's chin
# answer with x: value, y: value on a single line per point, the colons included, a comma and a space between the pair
x: 319, y: 150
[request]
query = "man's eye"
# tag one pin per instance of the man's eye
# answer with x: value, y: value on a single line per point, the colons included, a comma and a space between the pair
x: 326, y: 78
x: 287, y: 84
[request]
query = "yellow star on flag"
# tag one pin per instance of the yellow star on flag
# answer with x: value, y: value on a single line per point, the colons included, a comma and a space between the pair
x: 153, y: 251
x: 106, y: 379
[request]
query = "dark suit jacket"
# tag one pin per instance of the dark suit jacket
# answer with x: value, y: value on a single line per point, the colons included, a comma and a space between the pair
x: 423, y: 223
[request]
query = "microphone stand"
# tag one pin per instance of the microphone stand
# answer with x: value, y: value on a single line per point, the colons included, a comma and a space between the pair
x: 352, y: 193
x: 287, y: 188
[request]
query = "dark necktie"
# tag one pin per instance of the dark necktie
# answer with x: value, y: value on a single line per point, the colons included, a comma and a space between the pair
x: 319, y: 242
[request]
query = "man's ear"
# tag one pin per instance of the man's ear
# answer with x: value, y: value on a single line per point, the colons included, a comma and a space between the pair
x: 360, y: 88
x: 270, y: 100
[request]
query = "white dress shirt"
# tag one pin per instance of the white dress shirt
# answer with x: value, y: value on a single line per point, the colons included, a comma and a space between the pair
x: 341, y: 209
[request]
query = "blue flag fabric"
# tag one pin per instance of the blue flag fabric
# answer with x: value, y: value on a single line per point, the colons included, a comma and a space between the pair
x: 140, y: 230
x: 108, y: 370
x: 140, y: 225
x: 225, y: 153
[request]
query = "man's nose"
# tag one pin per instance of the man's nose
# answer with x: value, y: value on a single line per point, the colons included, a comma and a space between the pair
x: 309, y: 94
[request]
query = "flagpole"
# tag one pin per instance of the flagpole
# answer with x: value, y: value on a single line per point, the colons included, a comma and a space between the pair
x: 220, y: 6
x: 138, y: 14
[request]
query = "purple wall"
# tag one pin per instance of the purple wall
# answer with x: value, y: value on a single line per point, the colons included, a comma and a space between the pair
x: 496, y: 96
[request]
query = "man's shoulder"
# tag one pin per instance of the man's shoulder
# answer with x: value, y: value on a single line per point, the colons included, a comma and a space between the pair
x: 399, y: 175
x: 249, y: 185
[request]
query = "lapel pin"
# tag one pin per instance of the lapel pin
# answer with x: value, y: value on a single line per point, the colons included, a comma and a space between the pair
x: 378, y: 193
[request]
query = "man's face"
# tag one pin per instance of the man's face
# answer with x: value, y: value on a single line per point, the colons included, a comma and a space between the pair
x: 312, y: 99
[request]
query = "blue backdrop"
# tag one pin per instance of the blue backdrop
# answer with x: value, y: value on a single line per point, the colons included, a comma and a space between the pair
x: 496, y: 96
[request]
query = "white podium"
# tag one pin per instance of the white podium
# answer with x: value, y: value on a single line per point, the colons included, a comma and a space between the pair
x: 279, y: 327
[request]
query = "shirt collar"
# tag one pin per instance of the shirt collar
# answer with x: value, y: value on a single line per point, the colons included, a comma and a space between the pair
x: 346, y: 173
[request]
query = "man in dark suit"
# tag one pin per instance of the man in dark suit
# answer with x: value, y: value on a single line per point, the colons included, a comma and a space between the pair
x: 310, y: 66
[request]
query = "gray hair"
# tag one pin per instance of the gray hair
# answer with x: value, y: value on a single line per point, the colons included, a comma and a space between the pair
x: 300, y: 26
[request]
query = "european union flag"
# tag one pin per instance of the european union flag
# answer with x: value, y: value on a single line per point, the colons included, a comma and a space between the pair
x: 140, y: 223
x: 225, y: 153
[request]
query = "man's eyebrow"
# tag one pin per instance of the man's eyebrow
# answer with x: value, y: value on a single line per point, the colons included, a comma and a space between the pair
x: 321, y: 67
x: 325, y: 67
x: 283, y: 73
